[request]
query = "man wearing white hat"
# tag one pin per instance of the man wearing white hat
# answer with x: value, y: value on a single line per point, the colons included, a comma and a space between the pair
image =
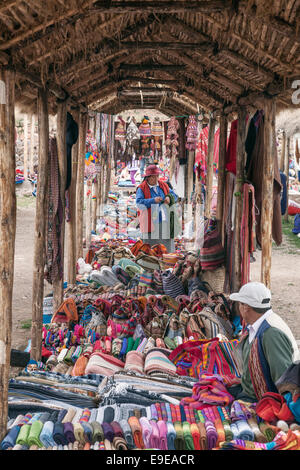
x: 268, y: 345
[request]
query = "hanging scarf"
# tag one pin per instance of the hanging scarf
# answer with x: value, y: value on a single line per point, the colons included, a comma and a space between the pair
x: 54, y: 262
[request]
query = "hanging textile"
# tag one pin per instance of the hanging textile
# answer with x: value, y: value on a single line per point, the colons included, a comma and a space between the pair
x: 157, y: 133
x: 54, y: 262
x: 172, y: 143
x: 132, y: 132
x: 247, y: 231
x: 228, y: 224
x: 297, y: 152
x: 91, y: 156
x: 192, y: 133
x: 71, y: 139
x: 230, y: 160
x: 255, y: 176
x: 145, y: 132
x: 120, y: 133
x: 132, y: 140
x: 201, y: 153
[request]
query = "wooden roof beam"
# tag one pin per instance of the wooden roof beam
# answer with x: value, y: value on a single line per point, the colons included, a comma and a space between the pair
x: 98, y: 49
x: 146, y: 67
x: 167, y: 6
x: 181, y: 26
x: 62, y: 15
x: 156, y: 45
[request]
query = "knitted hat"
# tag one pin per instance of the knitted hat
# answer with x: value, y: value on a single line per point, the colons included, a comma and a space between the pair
x: 152, y: 170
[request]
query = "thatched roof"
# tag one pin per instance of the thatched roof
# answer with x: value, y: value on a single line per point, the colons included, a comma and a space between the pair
x: 173, y: 55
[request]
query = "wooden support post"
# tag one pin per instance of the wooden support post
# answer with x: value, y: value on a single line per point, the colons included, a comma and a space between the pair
x: 95, y: 202
x: 210, y: 166
x: 88, y: 214
x: 238, y: 194
x: 221, y: 172
x: 287, y: 172
x: 267, y: 193
x: 7, y: 232
x: 58, y: 284
x: 40, y: 227
x: 71, y: 225
x: 283, y: 151
x: 80, y: 184
x: 32, y: 142
x: 190, y: 184
x: 25, y: 147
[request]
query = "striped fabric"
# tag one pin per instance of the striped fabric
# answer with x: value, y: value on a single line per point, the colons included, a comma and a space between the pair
x: 172, y: 285
x: 157, y: 361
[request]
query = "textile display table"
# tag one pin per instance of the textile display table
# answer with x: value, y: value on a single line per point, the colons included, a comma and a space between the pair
x: 140, y: 355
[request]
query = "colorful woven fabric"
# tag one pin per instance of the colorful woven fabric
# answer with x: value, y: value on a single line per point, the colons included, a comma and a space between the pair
x: 273, y: 407
x: 136, y: 432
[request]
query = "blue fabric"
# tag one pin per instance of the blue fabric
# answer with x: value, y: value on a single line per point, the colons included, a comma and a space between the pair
x: 293, y: 406
x: 10, y: 438
x: 283, y: 200
x: 296, y: 228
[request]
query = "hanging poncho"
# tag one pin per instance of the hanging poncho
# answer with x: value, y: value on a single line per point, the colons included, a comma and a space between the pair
x: 145, y: 132
x: 191, y: 134
x: 157, y: 133
x: 120, y: 132
x: 132, y: 132
x: 172, y: 138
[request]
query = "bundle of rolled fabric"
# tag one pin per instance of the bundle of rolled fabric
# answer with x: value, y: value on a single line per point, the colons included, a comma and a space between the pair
x: 127, y: 433
x: 163, y: 434
x: 171, y: 435
x: 179, y: 442
x: 189, y: 442
x: 157, y: 361
x: 272, y: 407
x: 154, y: 438
x: 134, y: 362
x: 103, y: 364
x: 10, y: 439
x: 136, y: 430
x: 209, y: 389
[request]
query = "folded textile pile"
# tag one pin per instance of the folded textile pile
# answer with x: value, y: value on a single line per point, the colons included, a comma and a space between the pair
x: 157, y: 361
x: 210, y: 389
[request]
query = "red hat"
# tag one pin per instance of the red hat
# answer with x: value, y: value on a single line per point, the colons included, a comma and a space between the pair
x: 152, y: 170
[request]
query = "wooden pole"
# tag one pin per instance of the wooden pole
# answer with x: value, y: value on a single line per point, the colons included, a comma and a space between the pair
x: 283, y: 152
x: 32, y: 141
x: 88, y: 214
x: 221, y: 171
x: 190, y: 183
x: 26, y: 146
x: 210, y: 166
x: 80, y: 184
x: 7, y: 232
x: 238, y: 194
x: 287, y: 161
x: 40, y: 227
x: 58, y: 289
x: 267, y: 192
x: 95, y: 202
x: 71, y: 225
